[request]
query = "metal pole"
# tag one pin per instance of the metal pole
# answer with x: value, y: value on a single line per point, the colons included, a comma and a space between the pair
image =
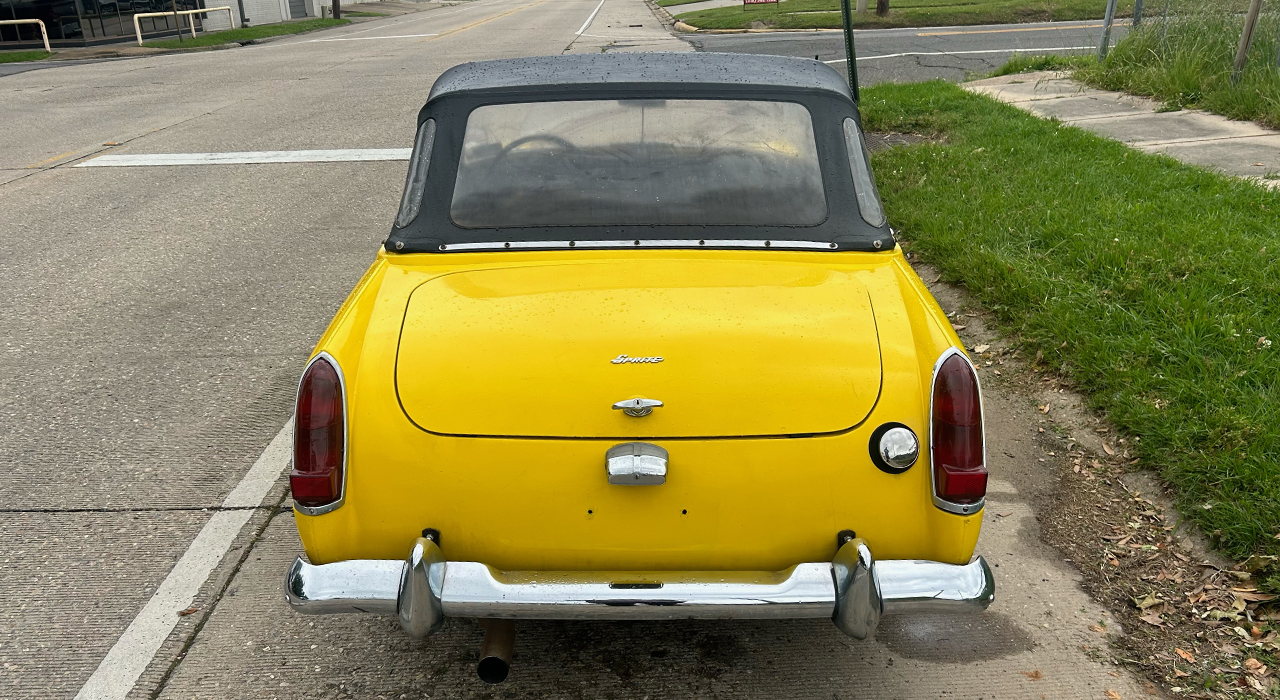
x: 1246, y: 38
x: 1137, y: 14
x: 850, y: 56
x: 1105, y: 45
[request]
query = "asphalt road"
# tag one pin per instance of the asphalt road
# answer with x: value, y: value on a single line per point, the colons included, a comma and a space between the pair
x: 155, y: 322
x: 909, y: 55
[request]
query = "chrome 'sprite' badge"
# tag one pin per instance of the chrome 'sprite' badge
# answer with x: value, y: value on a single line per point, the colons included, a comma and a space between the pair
x: 623, y: 359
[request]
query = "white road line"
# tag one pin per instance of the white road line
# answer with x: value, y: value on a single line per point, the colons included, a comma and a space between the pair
x: 371, y: 38
x: 957, y: 53
x: 335, y: 155
x: 587, y: 23
x: 126, y: 661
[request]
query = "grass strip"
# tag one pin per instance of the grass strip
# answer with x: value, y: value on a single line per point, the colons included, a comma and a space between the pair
x: 673, y: 3
x: 1184, y: 55
x: 370, y: 14
x: 825, y: 14
x: 232, y: 36
x: 1025, y: 63
x: 1152, y: 286
x: 20, y: 56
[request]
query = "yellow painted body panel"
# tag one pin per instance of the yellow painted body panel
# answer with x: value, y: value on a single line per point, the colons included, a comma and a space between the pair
x: 761, y: 503
x: 747, y: 348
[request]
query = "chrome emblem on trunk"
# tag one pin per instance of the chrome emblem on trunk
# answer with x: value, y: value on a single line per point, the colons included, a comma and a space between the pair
x: 623, y: 360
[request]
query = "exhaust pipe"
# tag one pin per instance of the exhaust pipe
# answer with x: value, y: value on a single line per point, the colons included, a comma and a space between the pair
x: 495, y: 652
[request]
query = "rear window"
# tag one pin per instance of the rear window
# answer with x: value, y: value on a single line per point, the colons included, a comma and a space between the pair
x: 639, y: 162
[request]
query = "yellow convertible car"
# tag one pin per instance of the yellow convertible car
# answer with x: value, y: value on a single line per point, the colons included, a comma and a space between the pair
x: 640, y: 345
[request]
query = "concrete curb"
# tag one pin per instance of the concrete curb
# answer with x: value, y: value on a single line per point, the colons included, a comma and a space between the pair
x: 663, y: 16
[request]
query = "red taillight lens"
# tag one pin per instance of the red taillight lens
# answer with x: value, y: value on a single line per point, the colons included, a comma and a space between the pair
x: 959, y: 473
x: 316, y: 479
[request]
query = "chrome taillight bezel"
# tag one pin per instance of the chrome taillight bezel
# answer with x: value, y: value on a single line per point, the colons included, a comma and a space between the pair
x: 941, y: 503
x: 346, y: 434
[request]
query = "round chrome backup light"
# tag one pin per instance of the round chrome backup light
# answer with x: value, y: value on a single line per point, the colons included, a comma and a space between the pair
x: 894, y: 448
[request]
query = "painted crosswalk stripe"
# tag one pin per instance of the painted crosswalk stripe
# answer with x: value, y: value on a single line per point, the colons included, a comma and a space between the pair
x: 333, y: 155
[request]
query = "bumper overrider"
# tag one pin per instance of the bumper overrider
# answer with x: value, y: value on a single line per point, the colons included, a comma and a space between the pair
x: 853, y: 590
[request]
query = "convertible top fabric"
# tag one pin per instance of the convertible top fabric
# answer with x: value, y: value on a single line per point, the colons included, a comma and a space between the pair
x: 641, y: 68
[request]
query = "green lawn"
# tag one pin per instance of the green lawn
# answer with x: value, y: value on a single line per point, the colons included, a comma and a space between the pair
x: 673, y: 3
x: 820, y: 14
x: 364, y: 14
x: 1152, y: 286
x: 1186, y: 61
x: 19, y: 56
x: 238, y: 35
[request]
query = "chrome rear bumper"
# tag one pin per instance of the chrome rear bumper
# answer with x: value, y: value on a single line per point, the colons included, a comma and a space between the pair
x: 853, y: 590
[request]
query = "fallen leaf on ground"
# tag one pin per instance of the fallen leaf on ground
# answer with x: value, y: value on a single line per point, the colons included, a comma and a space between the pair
x: 1186, y: 655
x: 1108, y: 449
x: 959, y: 328
x: 1255, y: 666
x: 1179, y: 673
x: 1033, y: 675
x: 1153, y: 619
x: 1044, y: 408
x: 1146, y: 601
x: 982, y: 348
x: 1097, y: 628
x: 188, y: 611
x: 1112, y: 695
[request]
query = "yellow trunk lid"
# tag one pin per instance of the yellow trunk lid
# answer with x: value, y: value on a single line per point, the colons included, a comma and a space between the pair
x: 746, y: 349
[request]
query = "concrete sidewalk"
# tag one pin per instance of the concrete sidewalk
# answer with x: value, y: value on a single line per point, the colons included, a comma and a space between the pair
x: 1238, y: 148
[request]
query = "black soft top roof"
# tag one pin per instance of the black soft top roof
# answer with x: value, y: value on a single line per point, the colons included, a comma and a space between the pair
x: 701, y: 69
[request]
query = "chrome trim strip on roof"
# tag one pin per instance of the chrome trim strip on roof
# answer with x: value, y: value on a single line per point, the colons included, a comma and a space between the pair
x: 641, y: 243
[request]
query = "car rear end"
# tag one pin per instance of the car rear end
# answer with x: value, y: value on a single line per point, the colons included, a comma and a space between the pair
x: 511, y: 491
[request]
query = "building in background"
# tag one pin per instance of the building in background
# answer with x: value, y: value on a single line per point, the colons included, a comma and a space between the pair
x: 87, y: 22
